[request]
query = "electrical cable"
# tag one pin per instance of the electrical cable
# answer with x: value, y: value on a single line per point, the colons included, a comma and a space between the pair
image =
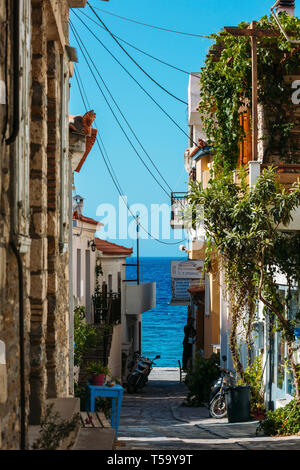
x: 110, y: 169
x: 135, y: 62
x: 130, y: 127
x: 87, y: 107
x: 79, y: 41
x: 134, y: 79
x: 152, y: 26
x: 140, y: 50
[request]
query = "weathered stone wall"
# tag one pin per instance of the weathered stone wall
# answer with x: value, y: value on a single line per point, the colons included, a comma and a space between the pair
x: 45, y: 268
x: 50, y: 279
x: 9, y: 274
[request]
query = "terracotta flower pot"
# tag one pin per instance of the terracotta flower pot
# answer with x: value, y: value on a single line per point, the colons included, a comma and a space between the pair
x: 98, y: 379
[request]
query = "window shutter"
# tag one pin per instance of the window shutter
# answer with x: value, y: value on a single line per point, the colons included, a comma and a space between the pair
x: 22, y: 145
x: 64, y: 151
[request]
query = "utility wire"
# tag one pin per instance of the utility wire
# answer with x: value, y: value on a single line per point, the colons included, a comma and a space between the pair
x: 110, y: 167
x: 79, y: 41
x: 152, y: 26
x: 140, y: 50
x: 136, y: 138
x: 134, y: 61
x: 87, y: 107
x: 134, y: 79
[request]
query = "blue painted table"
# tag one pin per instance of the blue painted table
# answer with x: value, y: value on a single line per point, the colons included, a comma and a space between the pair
x: 115, y: 392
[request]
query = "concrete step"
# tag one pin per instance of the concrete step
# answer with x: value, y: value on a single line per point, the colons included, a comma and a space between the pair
x: 96, y: 432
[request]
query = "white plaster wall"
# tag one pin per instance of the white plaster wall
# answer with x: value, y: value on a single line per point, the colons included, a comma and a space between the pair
x: 86, y: 233
x: 115, y: 356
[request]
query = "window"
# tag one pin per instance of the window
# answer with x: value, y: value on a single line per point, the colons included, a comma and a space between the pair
x: 21, y: 196
x: 64, y: 164
x: 79, y: 274
x: 109, y: 283
x: 246, y: 143
x: 88, y: 282
x: 119, y: 282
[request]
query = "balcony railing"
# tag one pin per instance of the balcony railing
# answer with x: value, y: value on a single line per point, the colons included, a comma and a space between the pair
x: 107, y: 308
x: 179, y: 204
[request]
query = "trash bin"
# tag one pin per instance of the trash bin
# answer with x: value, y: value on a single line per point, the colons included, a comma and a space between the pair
x: 238, y: 403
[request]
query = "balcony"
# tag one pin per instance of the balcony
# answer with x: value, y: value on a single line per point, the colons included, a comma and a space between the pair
x: 107, y: 308
x: 140, y: 297
x: 179, y: 204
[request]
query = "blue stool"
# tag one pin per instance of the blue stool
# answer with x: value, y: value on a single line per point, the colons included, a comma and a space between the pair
x: 115, y: 392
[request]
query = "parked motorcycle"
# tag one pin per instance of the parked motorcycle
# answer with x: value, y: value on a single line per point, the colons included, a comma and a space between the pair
x: 217, y: 404
x: 140, y: 370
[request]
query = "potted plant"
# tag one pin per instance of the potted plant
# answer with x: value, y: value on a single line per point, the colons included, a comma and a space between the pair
x: 99, y: 372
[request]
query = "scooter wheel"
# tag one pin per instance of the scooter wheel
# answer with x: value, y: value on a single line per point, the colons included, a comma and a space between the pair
x: 130, y: 388
x: 217, y: 408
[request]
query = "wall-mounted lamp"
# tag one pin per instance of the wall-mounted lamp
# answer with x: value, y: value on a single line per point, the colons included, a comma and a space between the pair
x: 92, y: 244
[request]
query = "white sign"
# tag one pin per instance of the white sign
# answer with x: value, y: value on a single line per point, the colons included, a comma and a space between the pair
x: 187, y: 269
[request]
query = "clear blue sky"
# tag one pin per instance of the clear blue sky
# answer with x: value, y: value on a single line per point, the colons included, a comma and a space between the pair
x: 161, y: 138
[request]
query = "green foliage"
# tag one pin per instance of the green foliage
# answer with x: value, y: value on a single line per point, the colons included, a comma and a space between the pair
x: 98, y: 272
x: 226, y: 85
x: 104, y: 405
x: 101, y: 404
x: 85, y: 335
x: 284, y: 421
x: 241, y: 224
x: 98, y: 368
x: 253, y: 377
x: 200, y: 378
x: 54, y: 429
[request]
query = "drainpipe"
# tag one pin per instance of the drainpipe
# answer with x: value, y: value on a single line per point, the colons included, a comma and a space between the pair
x: 10, y: 140
x: 21, y: 342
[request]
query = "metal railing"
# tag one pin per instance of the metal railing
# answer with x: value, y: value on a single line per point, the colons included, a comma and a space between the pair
x: 178, y: 205
x: 107, y: 308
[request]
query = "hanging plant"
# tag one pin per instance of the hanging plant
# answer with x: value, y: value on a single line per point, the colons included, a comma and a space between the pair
x: 226, y: 91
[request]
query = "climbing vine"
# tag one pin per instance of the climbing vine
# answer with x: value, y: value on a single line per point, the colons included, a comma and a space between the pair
x: 226, y: 91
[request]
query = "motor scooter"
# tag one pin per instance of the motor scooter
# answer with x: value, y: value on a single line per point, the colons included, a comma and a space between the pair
x: 140, y: 370
x: 217, y: 403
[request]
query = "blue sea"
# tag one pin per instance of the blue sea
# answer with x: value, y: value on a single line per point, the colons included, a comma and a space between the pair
x: 162, y: 327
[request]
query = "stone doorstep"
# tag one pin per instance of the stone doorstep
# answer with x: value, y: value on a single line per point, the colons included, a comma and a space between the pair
x: 96, y: 433
x: 67, y: 407
x: 95, y: 439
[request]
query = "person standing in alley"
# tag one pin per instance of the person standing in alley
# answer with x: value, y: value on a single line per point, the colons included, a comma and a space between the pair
x: 189, y: 339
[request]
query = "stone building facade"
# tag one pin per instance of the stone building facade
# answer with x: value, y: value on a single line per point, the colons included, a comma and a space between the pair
x: 36, y: 347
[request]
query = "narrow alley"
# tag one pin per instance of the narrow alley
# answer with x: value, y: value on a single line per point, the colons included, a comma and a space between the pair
x: 154, y: 419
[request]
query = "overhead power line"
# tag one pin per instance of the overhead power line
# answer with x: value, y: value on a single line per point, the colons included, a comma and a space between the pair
x: 152, y: 26
x: 135, y: 62
x: 140, y: 50
x: 134, y: 79
x: 81, y: 46
x: 109, y: 166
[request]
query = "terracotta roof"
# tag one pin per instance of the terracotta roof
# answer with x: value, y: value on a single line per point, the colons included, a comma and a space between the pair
x: 88, y: 220
x: 90, y: 140
x: 111, y: 248
x: 83, y: 125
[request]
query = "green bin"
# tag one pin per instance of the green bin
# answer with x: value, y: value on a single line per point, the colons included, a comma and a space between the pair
x: 238, y: 403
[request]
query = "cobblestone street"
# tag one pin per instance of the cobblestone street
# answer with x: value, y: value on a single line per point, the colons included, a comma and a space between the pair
x: 153, y: 419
